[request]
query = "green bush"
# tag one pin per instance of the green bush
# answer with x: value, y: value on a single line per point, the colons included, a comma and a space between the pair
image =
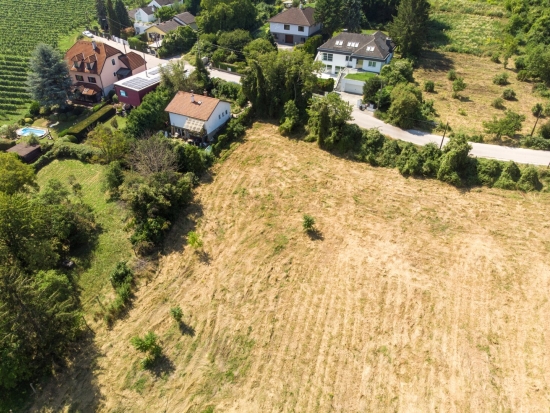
x: 498, y: 103
x: 429, y: 86
x: 509, y: 94
x: 520, y: 63
x: 34, y: 108
x: 509, y: 176
x: 451, y: 75
x: 495, y: 57
x: 523, y: 75
x: 80, y: 130
x: 537, y: 109
x: 410, y: 162
x: 536, y: 142
x: 488, y: 171
x: 529, y: 180
x: 5, y: 144
x: 176, y: 313
x: 148, y: 345
x: 121, y: 274
x: 308, y: 223
x: 501, y: 79
x: 544, y: 130
x: 194, y: 240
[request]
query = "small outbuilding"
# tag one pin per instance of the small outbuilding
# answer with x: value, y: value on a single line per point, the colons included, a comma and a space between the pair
x: 28, y: 153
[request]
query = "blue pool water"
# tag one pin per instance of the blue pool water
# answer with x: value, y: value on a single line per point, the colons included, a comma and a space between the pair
x: 28, y: 131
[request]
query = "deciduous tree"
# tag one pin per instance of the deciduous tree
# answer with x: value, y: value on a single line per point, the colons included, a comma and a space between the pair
x: 165, y: 13
x: 15, y: 176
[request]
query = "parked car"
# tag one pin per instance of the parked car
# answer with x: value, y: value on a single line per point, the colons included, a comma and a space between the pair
x: 87, y: 33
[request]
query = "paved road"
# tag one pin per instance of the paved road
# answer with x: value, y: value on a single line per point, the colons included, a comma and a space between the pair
x: 365, y: 119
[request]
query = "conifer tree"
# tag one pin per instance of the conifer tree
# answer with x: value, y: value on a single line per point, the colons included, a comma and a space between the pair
x: 352, y: 15
x: 122, y: 14
x: 410, y: 26
x: 48, y: 81
x: 114, y: 24
x: 101, y: 13
x: 329, y: 13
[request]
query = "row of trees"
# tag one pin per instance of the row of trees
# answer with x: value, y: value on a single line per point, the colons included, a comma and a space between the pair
x: 113, y: 16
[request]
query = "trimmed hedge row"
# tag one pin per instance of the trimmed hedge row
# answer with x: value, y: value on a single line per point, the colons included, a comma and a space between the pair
x: 66, y: 150
x: 80, y: 130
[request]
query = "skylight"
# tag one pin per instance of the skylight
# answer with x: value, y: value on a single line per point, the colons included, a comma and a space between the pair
x: 339, y: 42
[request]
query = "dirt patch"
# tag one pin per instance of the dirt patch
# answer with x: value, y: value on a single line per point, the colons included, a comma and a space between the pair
x: 468, y: 113
x: 414, y: 296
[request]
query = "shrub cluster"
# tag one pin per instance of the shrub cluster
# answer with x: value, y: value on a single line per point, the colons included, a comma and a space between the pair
x: 65, y: 150
x: 81, y: 129
x: 121, y: 279
x: 235, y: 129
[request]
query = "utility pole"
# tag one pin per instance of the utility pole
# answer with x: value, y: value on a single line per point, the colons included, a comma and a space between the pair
x: 538, y: 116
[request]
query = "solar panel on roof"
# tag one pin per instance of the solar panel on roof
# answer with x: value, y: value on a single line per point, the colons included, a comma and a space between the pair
x: 154, y: 71
x: 140, y: 83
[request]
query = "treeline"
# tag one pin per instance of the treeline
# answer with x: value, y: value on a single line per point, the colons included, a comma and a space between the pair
x: 39, y: 300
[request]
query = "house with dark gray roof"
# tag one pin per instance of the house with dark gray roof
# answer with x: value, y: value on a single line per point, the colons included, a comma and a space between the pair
x: 294, y: 25
x: 355, y: 51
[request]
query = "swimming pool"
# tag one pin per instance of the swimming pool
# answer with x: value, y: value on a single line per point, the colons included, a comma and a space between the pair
x: 28, y: 130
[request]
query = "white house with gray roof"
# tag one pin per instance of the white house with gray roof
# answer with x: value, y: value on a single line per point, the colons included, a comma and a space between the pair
x: 356, y: 52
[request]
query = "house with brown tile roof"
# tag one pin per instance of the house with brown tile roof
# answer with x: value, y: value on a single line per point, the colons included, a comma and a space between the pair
x: 294, y: 25
x: 158, y: 31
x: 197, y: 116
x: 94, y: 68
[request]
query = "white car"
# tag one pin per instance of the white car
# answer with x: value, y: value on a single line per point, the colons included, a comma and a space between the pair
x: 87, y: 33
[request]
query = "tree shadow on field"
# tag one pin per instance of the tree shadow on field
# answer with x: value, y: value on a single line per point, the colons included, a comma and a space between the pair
x: 162, y: 366
x: 73, y: 388
x: 315, y: 235
x: 437, y: 33
x: 176, y: 240
x: 434, y: 61
x: 186, y: 329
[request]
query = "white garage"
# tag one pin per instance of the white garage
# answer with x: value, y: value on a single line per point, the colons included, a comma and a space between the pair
x: 352, y: 86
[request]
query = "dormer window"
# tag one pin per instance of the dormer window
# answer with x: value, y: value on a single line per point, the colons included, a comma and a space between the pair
x: 88, y: 66
x: 76, y: 64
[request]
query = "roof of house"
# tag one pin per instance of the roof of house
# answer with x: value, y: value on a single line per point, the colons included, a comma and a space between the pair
x: 202, y: 108
x: 132, y: 13
x: 142, y: 80
x: 185, y: 17
x: 132, y: 60
x: 375, y: 46
x: 164, y: 2
x: 166, y: 26
x: 83, y: 51
x: 148, y: 10
x: 29, y: 153
x: 295, y: 15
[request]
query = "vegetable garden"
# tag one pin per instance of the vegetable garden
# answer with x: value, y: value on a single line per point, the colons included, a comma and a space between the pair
x: 24, y: 24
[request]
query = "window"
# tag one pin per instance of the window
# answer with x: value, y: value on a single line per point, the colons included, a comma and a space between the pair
x: 92, y: 79
x: 372, y: 64
x: 303, y: 39
x: 287, y: 26
x: 339, y: 42
x: 79, y: 78
x: 327, y: 57
x: 226, y: 111
x: 113, y: 61
x: 219, y: 116
x: 328, y: 69
x: 275, y: 36
x: 123, y: 93
x: 338, y: 68
x: 300, y: 28
x: 347, y: 58
x: 76, y: 64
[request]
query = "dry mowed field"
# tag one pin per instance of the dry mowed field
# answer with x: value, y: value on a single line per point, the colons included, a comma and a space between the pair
x: 412, y: 297
x: 478, y: 73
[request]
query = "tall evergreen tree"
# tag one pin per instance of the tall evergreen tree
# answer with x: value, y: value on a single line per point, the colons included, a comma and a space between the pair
x: 48, y: 81
x: 122, y: 14
x: 101, y: 13
x: 352, y: 15
x: 112, y: 19
x: 329, y: 13
x: 380, y: 11
x: 410, y: 26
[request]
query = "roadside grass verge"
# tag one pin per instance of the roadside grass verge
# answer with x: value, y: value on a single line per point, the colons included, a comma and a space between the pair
x: 113, y: 244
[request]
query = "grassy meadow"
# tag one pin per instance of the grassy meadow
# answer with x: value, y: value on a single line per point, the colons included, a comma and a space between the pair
x: 113, y: 245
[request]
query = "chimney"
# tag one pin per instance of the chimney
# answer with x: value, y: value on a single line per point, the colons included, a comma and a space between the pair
x: 192, y: 97
x: 205, y: 93
x: 94, y: 46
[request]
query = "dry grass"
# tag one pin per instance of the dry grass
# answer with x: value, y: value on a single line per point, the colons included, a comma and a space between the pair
x: 413, y: 296
x: 478, y: 73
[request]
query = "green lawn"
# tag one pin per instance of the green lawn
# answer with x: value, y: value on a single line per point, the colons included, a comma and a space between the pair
x: 113, y: 244
x: 362, y: 76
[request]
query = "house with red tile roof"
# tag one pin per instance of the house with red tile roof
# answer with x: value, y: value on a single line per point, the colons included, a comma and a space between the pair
x: 95, y: 67
x: 197, y: 116
x: 294, y: 25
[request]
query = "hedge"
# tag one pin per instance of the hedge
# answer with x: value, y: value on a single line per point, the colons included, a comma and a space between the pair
x: 80, y: 130
x: 5, y: 144
x: 66, y: 150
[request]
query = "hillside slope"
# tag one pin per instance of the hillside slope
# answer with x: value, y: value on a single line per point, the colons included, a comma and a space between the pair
x: 413, y: 296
